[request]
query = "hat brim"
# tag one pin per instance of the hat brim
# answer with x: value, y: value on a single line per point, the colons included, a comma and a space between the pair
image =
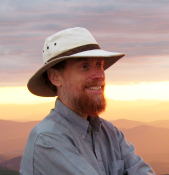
x: 38, y: 85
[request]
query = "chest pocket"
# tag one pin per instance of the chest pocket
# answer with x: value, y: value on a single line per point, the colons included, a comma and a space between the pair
x: 117, y: 168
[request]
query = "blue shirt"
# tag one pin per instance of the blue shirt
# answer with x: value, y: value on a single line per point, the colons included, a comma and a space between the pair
x: 64, y: 143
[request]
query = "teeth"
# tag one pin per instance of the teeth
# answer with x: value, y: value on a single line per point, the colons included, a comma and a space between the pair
x: 95, y: 88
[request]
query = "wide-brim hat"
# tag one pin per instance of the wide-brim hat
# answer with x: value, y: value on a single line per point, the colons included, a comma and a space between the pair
x: 69, y: 43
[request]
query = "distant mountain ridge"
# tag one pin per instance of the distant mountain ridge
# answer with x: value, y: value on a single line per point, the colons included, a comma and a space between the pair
x: 126, y: 124
x: 160, y: 123
x: 12, y: 164
x: 15, y: 134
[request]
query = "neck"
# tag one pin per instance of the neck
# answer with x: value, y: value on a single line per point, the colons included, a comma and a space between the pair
x: 66, y: 103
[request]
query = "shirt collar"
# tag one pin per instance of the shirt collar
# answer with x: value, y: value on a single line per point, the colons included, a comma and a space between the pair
x: 76, y: 120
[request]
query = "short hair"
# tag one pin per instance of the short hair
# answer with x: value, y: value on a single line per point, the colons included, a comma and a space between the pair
x: 59, y: 66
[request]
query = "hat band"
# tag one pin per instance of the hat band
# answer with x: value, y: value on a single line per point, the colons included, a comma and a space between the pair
x: 76, y: 50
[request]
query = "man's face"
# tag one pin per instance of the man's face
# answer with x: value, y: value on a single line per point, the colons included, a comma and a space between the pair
x: 82, y: 88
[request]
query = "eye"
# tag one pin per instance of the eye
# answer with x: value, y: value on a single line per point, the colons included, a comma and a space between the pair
x: 85, y: 66
x: 100, y: 64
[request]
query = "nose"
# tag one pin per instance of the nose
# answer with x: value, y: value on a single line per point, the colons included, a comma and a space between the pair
x: 98, y: 74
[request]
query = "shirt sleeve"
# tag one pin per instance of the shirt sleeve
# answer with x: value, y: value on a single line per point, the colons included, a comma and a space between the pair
x: 133, y: 163
x: 56, y: 155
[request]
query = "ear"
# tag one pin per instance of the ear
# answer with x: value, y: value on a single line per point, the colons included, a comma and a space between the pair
x: 54, y: 77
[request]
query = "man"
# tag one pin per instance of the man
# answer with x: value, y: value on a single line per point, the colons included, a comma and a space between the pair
x: 72, y: 139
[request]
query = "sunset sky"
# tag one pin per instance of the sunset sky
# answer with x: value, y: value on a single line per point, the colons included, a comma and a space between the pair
x: 140, y: 29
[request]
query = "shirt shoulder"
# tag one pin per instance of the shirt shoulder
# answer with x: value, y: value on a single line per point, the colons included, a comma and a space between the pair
x: 52, y: 123
x: 49, y: 129
x: 53, y: 131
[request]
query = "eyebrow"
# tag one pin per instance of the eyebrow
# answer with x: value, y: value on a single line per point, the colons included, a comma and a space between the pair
x: 80, y: 59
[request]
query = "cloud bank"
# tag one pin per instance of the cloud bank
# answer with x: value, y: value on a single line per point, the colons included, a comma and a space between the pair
x: 139, y: 29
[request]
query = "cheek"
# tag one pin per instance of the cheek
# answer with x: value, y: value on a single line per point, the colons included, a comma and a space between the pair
x: 74, y: 82
x: 73, y: 86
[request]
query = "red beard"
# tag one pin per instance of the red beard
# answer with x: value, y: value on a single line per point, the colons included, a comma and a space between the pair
x: 90, y: 105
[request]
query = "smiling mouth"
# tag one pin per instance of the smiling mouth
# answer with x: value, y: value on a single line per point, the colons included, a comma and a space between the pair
x: 95, y: 89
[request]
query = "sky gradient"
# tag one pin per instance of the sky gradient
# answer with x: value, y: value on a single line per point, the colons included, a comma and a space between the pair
x: 137, y: 28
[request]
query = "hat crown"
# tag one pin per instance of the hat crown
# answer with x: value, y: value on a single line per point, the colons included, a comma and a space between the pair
x: 66, y: 40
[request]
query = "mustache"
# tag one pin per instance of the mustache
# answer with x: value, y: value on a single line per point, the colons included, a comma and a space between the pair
x: 94, y: 83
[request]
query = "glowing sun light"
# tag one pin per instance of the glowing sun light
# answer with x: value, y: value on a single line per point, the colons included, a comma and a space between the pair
x: 139, y: 91
x: 125, y: 92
